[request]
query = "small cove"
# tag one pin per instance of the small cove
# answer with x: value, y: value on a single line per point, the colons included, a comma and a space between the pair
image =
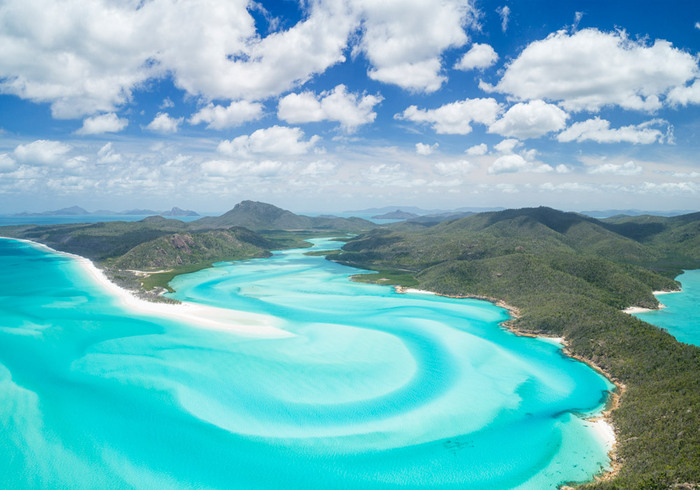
x: 681, y: 313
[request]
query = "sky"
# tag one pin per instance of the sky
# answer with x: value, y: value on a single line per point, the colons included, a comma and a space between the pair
x: 330, y: 105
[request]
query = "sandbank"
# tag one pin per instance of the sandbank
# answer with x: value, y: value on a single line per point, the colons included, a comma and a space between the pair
x: 600, y: 424
x: 196, y: 315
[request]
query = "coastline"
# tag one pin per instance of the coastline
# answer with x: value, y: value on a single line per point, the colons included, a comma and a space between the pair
x: 602, y: 423
x: 195, y: 315
x: 630, y: 310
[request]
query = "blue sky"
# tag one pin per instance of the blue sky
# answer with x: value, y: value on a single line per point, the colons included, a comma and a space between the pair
x: 332, y: 105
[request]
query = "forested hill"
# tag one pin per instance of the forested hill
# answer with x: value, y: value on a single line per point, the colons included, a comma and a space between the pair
x: 149, y: 253
x: 569, y: 276
x: 262, y: 216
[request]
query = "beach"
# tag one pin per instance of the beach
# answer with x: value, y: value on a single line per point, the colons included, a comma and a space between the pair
x: 196, y: 315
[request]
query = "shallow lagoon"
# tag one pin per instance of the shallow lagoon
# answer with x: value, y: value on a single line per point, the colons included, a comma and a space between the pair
x: 681, y: 315
x: 370, y: 389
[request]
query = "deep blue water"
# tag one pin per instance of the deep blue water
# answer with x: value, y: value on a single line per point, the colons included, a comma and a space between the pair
x: 366, y: 388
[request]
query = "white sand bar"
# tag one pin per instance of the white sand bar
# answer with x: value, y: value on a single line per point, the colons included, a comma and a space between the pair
x: 196, y: 315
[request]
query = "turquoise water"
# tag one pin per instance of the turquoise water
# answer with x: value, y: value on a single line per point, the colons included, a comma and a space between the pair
x: 681, y: 317
x: 371, y: 389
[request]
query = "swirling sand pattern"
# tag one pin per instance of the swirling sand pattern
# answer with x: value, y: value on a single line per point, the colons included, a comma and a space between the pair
x: 372, y: 389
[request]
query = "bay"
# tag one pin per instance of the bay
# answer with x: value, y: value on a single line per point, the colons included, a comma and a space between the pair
x: 368, y: 388
x: 681, y: 313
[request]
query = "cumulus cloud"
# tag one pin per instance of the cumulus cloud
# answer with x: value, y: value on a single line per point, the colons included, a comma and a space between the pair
x: 599, y: 130
x: 507, y: 145
x: 458, y: 167
x: 629, y: 168
x: 104, y: 123
x: 350, y: 110
x: 455, y: 117
x: 425, y: 149
x: 530, y: 120
x: 480, y: 56
x: 590, y: 69
x: 277, y: 140
x: 101, y: 50
x: 476, y: 150
x: 163, y: 123
x: 686, y: 94
x: 511, y: 162
x: 42, y: 152
x: 403, y: 40
x: 220, y: 117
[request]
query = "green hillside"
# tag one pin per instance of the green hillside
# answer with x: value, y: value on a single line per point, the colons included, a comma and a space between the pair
x: 569, y: 276
x: 261, y: 216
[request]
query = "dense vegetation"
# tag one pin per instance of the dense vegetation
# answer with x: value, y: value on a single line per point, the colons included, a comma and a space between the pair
x: 147, y: 254
x: 569, y: 276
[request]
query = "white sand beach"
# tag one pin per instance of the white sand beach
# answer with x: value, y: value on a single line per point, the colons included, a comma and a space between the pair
x: 202, y: 316
x: 638, y: 309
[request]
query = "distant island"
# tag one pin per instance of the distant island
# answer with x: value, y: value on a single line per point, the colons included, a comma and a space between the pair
x: 398, y: 214
x: 78, y: 211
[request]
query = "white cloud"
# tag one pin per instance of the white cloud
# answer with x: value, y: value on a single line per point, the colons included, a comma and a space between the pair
x: 504, y: 12
x: 562, y: 169
x: 458, y: 167
x: 697, y: 25
x: 530, y: 120
x: 425, y: 149
x: 93, y: 58
x: 477, y: 150
x: 629, y: 168
x: 7, y: 163
x: 277, y: 140
x: 106, y: 154
x: 404, y: 39
x: 241, y: 170
x: 512, y: 163
x: 590, y: 69
x: 104, y: 123
x: 42, y: 152
x: 568, y: 187
x: 318, y: 168
x: 455, y: 117
x: 480, y: 56
x: 350, y: 110
x: 167, y: 103
x: 671, y: 187
x: 598, y: 130
x: 684, y: 95
x: 163, y: 123
x: 219, y: 117
x: 100, y: 50
x: 507, y: 145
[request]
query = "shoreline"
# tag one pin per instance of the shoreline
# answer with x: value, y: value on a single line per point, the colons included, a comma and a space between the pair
x: 631, y: 310
x: 191, y: 314
x: 601, y: 423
